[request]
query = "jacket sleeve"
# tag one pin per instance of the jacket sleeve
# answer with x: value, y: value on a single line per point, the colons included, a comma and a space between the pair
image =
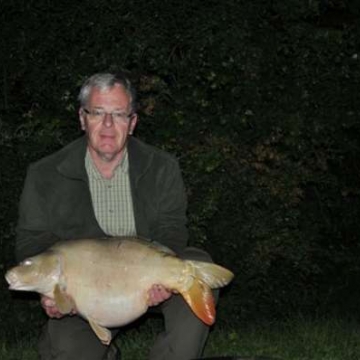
x: 32, y: 232
x: 171, y: 225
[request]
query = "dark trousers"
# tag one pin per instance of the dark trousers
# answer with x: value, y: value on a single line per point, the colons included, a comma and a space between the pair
x: 183, y: 338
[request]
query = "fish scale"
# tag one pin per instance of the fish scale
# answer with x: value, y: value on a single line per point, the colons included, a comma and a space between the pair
x: 109, y: 286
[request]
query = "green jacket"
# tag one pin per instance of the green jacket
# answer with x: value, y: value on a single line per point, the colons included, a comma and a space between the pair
x: 56, y: 202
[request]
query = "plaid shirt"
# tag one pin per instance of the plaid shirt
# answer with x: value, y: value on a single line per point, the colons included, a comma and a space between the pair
x: 111, y: 198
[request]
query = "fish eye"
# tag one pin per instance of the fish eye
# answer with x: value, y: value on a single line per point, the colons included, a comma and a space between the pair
x: 26, y: 262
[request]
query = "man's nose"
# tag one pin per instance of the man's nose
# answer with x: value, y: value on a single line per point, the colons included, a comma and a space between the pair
x: 108, y: 120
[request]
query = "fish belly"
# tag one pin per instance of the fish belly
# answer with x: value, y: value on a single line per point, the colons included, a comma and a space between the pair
x: 110, y: 284
x: 114, y: 312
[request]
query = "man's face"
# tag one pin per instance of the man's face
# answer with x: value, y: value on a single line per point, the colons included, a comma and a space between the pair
x: 107, y: 138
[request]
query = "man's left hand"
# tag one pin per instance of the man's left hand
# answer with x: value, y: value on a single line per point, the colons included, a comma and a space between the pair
x: 157, y: 294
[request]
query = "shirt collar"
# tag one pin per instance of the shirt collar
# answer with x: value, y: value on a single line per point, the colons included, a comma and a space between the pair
x: 72, y: 163
x: 122, y: 168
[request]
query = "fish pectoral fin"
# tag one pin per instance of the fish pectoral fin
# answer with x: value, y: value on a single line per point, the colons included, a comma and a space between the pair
x: 201, y: 301
x: 101, y: 332
x: 63, y: 302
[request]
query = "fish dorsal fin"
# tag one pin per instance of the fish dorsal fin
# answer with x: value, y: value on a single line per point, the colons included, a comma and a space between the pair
x: 62, y: 300
x: 164, y: 249
x: 155, y: 245
x: 150, y: 243
x: 101, y: 332
x: 201, y: 301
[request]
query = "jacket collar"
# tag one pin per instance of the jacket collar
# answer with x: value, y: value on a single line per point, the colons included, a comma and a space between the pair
x: 73, y: 162
x: 140, y: 159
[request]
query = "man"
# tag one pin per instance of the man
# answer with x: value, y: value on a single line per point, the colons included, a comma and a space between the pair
x: 108, y: 183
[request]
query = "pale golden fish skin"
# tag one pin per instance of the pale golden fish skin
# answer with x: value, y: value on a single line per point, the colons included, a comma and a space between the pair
x: 113, y: 288
x: 109, y: 279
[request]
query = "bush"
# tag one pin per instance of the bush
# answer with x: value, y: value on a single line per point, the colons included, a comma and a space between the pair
x: 258, y: 101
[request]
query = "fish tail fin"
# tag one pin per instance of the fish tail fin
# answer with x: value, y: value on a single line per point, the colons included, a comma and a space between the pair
x: 215, y: 276
x: 201, y: 301
x: 201, y: 278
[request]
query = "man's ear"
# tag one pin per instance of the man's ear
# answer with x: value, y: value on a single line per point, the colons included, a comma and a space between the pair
x: 133, y: 123
x: 82, y: 119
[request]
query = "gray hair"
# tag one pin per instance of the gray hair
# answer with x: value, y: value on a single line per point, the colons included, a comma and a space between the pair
x: 106, y: 81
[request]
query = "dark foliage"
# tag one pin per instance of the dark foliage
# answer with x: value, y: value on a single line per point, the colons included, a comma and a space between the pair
x: 258, y: 99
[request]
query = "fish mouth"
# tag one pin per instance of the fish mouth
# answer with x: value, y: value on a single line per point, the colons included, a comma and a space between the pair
x: 13, y: 286
x: 18, y: 286
x: 13, y: 281
x: 9, y: 277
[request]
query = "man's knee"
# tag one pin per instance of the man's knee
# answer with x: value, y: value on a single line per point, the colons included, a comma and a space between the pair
x: 70, y: 338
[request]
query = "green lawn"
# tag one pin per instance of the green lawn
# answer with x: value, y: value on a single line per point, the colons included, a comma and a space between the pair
x: 291, y: 340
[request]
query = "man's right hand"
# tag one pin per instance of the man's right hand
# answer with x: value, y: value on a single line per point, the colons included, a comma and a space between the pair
x: 51, y: 309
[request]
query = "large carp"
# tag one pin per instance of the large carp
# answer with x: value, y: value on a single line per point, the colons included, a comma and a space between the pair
x: 107, y: 280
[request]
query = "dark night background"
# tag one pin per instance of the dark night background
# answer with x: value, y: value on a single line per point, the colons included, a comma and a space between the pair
x: 258, y: 99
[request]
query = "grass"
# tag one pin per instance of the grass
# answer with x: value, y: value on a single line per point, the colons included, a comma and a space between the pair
x: 291, y: 340
x: 295, y: 339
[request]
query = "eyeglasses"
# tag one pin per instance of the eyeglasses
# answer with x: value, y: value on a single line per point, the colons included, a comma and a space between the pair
x: 98, y: 115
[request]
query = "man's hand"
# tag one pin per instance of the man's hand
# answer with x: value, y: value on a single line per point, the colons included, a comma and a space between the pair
x: 157, y: 294
x: 51, y: 309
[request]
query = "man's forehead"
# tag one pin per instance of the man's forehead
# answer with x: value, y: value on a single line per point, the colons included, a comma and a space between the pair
x: 108, y: 89
x: 115, y: 92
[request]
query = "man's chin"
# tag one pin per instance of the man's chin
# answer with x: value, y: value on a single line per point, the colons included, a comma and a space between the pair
x: 106, y: 152
x: 107, y: 156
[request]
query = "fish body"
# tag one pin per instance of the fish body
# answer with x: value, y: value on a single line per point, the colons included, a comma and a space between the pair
x: 107, y: 280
